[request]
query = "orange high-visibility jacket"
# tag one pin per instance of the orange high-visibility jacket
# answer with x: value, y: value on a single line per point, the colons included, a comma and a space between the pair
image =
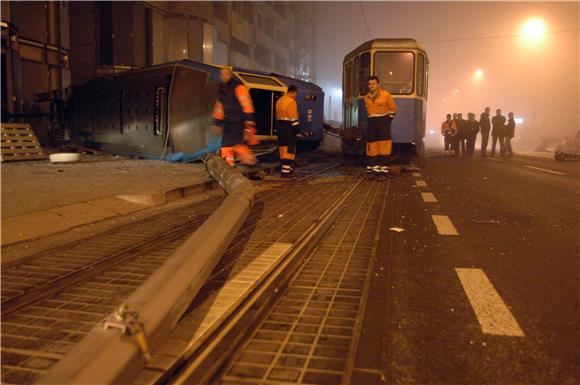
x: 287, y: 109
x: 448, y: 128
x: 233, y: 104
x: 381, y: 105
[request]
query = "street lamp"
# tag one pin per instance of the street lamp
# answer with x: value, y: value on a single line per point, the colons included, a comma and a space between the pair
x: 533, y: 31
x: 478, y: 74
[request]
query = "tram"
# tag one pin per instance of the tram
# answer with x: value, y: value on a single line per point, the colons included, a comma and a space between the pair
x: 402, y: 66
x: 167, y: 108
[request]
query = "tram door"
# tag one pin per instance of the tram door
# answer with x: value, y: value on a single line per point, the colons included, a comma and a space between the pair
x: 264, y: 107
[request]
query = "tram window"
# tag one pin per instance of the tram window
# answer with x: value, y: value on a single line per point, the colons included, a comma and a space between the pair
x: 420, y: 75
x: 426, y: 79
x: 395, y: 71
x: 346, y: 85
x: 356, y: 73
x: 365, y: 73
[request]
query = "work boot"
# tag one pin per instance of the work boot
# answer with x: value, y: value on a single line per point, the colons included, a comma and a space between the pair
x: 384, y: 170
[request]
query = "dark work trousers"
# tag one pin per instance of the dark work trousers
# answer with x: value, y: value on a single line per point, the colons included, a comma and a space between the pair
x: 494, y: 140
x: 286, y: 145
x: 471, y: 145
x: 484, y: 140
x: 455, y: 144
x: 447, y: 142
x: 508, y: 146
x: 379, y: 143
x: 233, y: 134
x: 463, y: 145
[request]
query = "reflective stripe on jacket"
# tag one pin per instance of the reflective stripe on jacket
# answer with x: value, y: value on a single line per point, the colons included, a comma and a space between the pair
x: 382, y: 104
x: 448, y: 128
x: 233, y: 104
x: 287, y: 109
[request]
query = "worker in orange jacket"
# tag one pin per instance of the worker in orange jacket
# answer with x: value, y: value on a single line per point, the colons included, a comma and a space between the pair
x: 381, y: 109
x: 234, y: 119
x: 448, y: 130
x: 287, y: 125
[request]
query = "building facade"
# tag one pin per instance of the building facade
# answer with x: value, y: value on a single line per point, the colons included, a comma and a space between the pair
x: 48, y: 46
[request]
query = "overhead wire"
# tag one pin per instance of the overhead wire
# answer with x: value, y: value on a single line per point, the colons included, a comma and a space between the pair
x: 362, y: 11
x: 495, y: 37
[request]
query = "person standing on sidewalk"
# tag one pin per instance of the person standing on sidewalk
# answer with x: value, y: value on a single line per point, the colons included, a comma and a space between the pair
x: 287, y: 125
x: 447, y: 129
x: 381, y: 109
x: 485, y: 125
x: 497, y: 132
x: 510, y: 130
x: 461, y: 134
x: 472, y: 129
x: 234, y: 119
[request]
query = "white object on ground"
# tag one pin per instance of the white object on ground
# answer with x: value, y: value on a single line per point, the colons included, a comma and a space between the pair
x: 64, y: 157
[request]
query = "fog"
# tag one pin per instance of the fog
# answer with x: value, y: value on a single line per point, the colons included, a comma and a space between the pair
x: 537, y: 80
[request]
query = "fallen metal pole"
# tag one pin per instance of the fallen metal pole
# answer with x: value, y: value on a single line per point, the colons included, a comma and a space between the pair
x: 115, y: 350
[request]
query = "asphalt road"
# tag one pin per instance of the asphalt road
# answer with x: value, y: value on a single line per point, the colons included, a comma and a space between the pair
x: 496, y: 303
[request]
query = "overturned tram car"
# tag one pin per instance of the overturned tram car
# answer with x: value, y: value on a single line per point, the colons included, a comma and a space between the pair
x: 402, y: 66
x: 164, y: 109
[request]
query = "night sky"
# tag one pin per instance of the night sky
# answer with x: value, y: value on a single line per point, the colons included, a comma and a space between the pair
x: 537, y: 80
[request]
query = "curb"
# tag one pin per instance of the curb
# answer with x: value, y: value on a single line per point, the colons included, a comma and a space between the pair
x: 56, y: 220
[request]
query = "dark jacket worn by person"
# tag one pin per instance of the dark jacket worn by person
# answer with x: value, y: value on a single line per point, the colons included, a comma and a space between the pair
x: 233, y: 104
x: 484, y: 122
x: 498, y: 123
x: 510, y: 128
x: 471, y: 129
x: 462, y: 128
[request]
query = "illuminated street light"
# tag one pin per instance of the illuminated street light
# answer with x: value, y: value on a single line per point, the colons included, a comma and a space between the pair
x: 519, y: 120
x: 533, y: 31
x: 478, y: 74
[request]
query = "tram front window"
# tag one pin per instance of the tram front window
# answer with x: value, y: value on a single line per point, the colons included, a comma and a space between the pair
x: 395, y: 70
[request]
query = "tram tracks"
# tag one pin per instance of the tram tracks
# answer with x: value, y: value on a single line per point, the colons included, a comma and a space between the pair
x: 328, y: 265
x: 44, y: 317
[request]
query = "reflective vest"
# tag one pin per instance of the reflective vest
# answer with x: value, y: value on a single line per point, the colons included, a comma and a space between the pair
x: 233, y: 104
x: 287, y: 110
x: 381, y: 105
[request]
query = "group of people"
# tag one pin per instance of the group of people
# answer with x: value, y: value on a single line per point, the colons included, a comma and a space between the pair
x: 234, y: 120
x: 460, y: 135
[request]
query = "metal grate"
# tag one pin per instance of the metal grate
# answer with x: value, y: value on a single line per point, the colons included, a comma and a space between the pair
x: 307, y: 337
x: 37, y: 336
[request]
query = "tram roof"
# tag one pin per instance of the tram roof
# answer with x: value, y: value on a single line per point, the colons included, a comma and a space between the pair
x: 388, y: 44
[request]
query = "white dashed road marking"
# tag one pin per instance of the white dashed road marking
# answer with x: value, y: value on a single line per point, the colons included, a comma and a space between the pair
x: 417, y: 174
x: 444, y: 225
x: 492, y: 313
x: 421, y: 183
x: 428, y: 197
x: 546, y: 170
x: 497, y: 160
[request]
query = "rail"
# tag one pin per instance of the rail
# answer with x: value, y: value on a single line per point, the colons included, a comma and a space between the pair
x: 118, y: 347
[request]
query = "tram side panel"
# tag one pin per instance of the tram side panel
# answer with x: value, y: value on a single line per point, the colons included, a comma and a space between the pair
x: 310, y: 101
x: 407, y: 128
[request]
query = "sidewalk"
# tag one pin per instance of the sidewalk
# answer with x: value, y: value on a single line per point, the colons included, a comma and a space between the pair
x: 40, y: 198
x: 536, y: 154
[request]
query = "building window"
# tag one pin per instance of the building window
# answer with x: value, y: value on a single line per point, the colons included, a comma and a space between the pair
x: 280, y: 8
x: 240, y: 46
x: 148, y: 36
x: 105, y: 35
x: 220, y: 10
x: 249, y: 11
x: 283, y: 38
x: 262, y: 55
